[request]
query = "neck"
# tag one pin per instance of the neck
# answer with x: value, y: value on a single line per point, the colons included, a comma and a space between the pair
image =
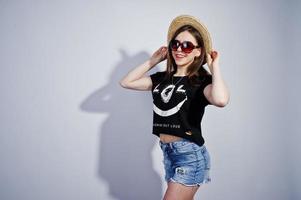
x: 181, y: 72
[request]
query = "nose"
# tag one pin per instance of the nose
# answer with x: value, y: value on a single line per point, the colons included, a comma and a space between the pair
x: 179, y: 47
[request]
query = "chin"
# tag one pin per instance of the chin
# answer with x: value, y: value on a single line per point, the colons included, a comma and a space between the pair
x: 181, y: 63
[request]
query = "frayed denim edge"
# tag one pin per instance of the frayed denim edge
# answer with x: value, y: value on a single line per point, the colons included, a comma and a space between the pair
x: 206, y: 181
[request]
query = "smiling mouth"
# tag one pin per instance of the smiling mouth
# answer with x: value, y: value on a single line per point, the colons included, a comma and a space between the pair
x: 179, y: 56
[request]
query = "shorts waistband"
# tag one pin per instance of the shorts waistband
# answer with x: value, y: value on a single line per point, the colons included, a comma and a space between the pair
x: 171, y: 144
x: 174, y: 141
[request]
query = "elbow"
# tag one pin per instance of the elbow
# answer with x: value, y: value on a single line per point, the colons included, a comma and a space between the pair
x: 122, y: 84
x: 125, y: 85
x: 222, y: 102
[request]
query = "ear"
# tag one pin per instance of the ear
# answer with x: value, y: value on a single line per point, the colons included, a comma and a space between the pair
x: 198, y: 53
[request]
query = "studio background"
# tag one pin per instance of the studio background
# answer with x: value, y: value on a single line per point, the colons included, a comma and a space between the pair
x: 69, y: 131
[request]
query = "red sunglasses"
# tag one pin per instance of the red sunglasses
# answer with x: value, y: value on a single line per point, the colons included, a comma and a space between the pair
x: 186, y: 46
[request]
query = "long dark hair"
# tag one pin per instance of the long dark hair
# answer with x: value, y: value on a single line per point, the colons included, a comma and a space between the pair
x: 195, y: 69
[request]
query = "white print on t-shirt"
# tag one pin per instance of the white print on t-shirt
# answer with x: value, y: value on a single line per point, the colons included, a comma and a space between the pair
x: 180, y: 89
x: 167, y: 125
x: 156, y: 89
x: 166, y: 94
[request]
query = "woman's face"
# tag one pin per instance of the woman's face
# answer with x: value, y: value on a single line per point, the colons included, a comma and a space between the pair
x: 181, y: 58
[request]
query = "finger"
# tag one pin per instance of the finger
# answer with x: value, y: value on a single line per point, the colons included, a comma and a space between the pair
x: 214, y: 53
x: 164, y: 48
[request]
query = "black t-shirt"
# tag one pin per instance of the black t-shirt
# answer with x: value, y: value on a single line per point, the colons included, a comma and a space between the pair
x: 178, y: 109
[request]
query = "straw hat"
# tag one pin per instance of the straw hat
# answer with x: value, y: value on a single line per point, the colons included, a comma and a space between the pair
x: 182, y: 20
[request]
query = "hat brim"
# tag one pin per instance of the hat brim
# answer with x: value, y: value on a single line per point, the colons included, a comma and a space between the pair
x: 194, y: 22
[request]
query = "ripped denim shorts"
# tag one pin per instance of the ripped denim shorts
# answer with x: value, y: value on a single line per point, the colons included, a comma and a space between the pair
x: 186, y: 162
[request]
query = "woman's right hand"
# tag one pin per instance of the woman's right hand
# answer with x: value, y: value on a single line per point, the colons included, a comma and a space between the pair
x: 159, y: 55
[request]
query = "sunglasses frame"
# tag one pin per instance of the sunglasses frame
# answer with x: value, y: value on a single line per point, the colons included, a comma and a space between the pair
x: 181, y: 44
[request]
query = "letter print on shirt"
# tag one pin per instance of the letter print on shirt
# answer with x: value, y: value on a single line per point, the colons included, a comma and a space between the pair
x: 173, y: 101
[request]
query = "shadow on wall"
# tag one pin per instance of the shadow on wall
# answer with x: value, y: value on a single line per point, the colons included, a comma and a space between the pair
x: 126, y: 142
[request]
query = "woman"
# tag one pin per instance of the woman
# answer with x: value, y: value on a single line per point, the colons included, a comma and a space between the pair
x: 180, y: 95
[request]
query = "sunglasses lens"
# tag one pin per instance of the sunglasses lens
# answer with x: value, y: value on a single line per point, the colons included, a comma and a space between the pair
x: 174, y: 44
x: 187, y: 47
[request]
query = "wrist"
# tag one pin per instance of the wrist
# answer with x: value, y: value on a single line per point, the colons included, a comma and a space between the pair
x: 152, y: 63
x: 215, y: 68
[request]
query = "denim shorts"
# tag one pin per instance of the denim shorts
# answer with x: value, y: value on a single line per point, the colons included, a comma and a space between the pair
x: 186, y: 162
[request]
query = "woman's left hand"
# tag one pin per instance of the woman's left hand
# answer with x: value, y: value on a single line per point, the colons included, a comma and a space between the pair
x: 212, y: 60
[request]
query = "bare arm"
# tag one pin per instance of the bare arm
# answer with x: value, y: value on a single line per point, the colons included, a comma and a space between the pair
x: 217, y: 93
x: 135, y: 78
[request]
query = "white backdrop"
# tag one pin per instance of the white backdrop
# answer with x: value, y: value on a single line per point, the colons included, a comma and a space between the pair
x: 69, y: 131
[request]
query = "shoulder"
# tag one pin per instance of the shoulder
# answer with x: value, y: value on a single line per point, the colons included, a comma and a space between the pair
x: 204, y: 80
x: 205, y: 77
x: 157, y: 75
